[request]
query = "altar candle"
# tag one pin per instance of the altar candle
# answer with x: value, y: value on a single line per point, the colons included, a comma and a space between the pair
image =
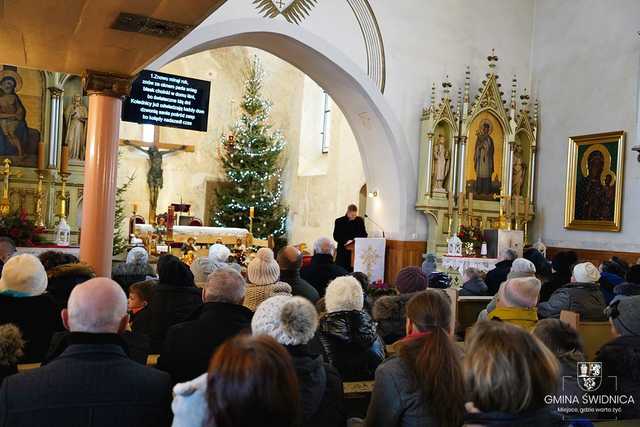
x: 460, y: 203
x: 517, y: 206
x: 508, y: 206
x: 470, y: 204
x: 64, y: 159
x: 135, y: 207
x: 526, y: 208
x: 41, y: 155
x: 450, y: 204
x: 251, y: 211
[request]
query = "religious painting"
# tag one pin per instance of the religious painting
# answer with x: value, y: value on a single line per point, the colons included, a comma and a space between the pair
x: 594, y: 182
x: 483, y: 162
x: 20, y: 114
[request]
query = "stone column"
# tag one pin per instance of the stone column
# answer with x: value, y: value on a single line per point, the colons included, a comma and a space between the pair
x: 100, y: 167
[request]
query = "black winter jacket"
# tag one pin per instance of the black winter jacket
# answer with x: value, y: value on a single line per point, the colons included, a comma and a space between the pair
x: 320, y: 386
x: 473, y: 288
x: 321, y: 271
x: 351, y: 344
x: 299, y: 286
x: 498, y: 275
x: 582, y: 298
x: 63, y: 278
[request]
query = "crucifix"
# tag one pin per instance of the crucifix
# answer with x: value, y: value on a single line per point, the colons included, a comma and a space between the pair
x: 156, y: 150
x: 6, y: 173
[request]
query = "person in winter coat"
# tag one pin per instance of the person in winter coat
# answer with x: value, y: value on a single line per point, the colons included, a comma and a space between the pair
x: 562, y: 270
x: 516, y: 304
x: 190, y: 344
x: 11, y: 349
x: 290, y: 262
x: 630, y: 287
x: 293, y: 321
x: 621, y: 357
x: 25, y: 303
x: 473, y: 285
x: 175, y: 298
x: 263, y: 273
x: 203, y: 266
x: 64, y: 272
x: 322, y: 269
x: 423, y: 386
x: 140, y: 296
x: 389, y: 311
x: 135, y: 269
x: 499, y: 274
x: 581, y: 296
x: 508, y: 374
x: 430, y: 264
x: 566, y: 344
x: 520, y: 268
x: 348, y: 334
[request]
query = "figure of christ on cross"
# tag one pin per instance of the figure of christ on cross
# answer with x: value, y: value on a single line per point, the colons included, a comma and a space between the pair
x: 155, y: 174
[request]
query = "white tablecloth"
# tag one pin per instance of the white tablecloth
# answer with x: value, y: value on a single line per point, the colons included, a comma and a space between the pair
x: 462, y: 263
x: 37, y: 250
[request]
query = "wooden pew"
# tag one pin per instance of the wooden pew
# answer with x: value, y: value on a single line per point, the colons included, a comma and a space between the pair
x: 24, y: 367
x: 152, y: 359
x: 594, y: 334
x: 468, y: 309
x: 357, y: 388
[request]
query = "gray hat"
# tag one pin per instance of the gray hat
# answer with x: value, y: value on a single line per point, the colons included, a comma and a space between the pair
x: 625, y: 315
x: 290, y: 320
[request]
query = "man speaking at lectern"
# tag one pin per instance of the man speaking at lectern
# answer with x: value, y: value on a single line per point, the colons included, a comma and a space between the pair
x: 346, y: 229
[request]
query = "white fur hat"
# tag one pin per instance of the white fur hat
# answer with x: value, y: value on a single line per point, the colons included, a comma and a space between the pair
x: 290, y: 320
x: 219, y: 253
x: 586, y: 273
x: 344, y: 294
x: 137, y: 255
x: 25, y: 275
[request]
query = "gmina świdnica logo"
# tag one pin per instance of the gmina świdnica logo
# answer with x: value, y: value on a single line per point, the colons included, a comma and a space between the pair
x: 589, y: 375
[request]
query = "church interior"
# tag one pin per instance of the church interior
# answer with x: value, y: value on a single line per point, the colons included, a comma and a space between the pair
x: 357, y: 208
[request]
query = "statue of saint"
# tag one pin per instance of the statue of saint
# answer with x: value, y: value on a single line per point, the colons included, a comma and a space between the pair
x: 76, y: 116
x: 440, y: 164
x: 154, y: 176
x: 483, y: 159
x: 519, y: 172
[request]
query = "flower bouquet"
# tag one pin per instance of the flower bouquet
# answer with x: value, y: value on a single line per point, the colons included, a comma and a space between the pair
x: 21, y: 229
x: 471, y: 238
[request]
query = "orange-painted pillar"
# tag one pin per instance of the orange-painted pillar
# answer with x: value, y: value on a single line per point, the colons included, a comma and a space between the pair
x: 100, y: 168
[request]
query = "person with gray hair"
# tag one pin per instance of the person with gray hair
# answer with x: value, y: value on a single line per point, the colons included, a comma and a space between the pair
x: 135, y: 269
x: 203, y: 266
x: 7, y: 250
x: 93, y: 378
x: 323, y: 268
x: 188, y: 346
x: 502, y: 269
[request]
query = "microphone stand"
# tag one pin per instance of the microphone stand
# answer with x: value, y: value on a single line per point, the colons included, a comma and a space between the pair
x: 376, y: 224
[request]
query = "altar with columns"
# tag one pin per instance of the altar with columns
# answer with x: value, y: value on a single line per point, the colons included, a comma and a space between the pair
x: 477, y: 159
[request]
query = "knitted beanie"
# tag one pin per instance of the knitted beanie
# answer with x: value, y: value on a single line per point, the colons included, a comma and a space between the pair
x: 219, y: 253
x: 23, y: 275
x: 586, y: 273
x: 263, y: 269
x: 522, y: 267
x: 411, y: 279
x: 290, y: 320
x: 520, y: 292
x: 344, y: 294
x: 627, y: 322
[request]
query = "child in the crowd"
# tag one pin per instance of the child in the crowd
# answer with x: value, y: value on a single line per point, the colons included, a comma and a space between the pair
x: 140, y: 295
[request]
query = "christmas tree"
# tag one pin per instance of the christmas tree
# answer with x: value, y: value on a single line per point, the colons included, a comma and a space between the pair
x: 120, y: 241
x: 251, y: 161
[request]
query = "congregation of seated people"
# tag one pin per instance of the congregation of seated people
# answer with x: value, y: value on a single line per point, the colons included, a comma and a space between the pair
x: 277, y: 343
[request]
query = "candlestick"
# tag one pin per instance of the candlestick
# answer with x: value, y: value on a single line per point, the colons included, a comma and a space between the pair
x: 507, y: 201
x: 460, y: 208
x: 63, y: 194
x: 41, y: 156
x: 64, y: 160
x: 470, y: 209
x: 517, y: 210
x: 251, y: 212
x: 39, y: 211
x: 135, y: 208
x: 450, y: 204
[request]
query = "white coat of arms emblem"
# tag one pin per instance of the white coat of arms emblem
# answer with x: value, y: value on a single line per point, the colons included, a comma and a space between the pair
x: 589, y: 375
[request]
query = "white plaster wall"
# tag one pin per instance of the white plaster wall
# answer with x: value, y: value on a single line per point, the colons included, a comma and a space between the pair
x: 586, y: 68
x: 424, y: 40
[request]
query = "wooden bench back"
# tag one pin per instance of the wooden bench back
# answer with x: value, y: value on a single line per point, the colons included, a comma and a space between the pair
x: 468, y: 310
x: 594, y: 334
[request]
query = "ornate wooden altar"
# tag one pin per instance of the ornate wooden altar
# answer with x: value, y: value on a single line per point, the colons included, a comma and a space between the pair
x: 477, y: 159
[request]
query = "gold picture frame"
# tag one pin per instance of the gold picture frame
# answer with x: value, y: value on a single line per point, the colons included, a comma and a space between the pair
x: 595, y: 172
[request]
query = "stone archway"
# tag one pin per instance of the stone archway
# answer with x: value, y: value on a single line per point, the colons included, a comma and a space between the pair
x: 382, y: 143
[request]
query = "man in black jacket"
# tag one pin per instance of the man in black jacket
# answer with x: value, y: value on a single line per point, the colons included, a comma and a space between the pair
x: 290, y: 262
x: 499, y: 274
x: 92, y: 382
x: 189, y: 345
x: 347, y: 228
x: 322, y: 269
